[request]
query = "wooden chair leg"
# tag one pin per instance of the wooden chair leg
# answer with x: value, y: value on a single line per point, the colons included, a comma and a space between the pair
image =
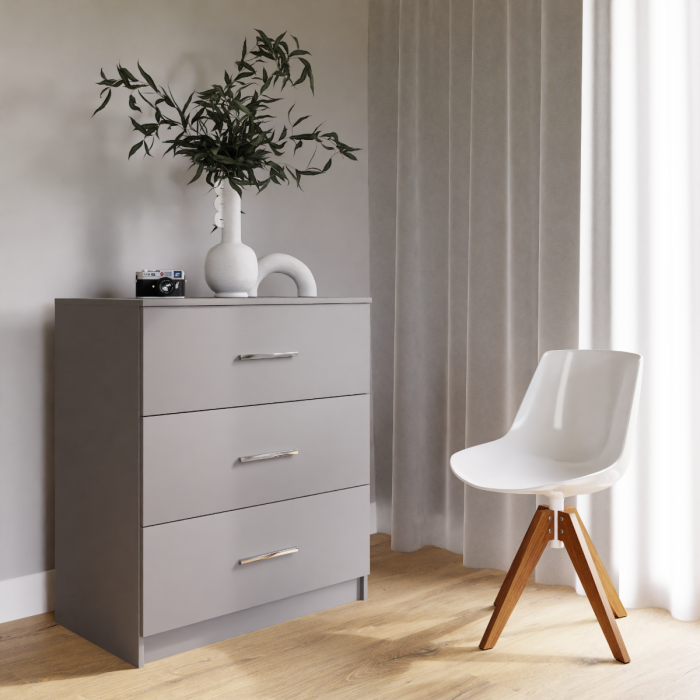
x: 615, y: 603
x: 582, y: 559
x: 508, y: 581
x: 534, y: 543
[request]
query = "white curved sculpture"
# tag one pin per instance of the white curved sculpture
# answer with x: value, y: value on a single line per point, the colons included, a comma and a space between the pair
x: 287, y: 265
x: 231, y: 266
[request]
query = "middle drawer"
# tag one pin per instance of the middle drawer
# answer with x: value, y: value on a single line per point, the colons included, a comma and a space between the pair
x: 192, y: 461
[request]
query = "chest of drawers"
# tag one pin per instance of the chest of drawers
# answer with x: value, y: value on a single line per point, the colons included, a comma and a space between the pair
x: 212, y: 467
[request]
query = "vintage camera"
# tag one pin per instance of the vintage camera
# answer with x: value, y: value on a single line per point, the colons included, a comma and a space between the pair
x: 161, y: 283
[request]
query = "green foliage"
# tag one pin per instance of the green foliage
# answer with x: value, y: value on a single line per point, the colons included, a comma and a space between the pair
x: 226, y: 131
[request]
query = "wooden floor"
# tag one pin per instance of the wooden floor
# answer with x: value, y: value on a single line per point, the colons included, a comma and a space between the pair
x: 415, y: 638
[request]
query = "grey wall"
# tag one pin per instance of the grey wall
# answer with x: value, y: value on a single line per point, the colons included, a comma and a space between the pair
x: 77, y: 219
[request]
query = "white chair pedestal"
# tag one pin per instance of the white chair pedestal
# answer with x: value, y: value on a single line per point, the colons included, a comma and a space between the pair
x: 556, y: 503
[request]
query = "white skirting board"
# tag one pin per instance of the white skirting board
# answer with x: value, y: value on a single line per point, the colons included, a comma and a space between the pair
x: 26, y: 596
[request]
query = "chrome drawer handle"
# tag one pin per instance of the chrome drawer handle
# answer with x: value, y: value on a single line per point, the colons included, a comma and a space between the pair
x: 268, y: 356
x: 269, y: 455
x: 271, y: 555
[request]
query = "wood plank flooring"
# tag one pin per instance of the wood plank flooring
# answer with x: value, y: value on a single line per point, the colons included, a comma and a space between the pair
x: 416, y: 638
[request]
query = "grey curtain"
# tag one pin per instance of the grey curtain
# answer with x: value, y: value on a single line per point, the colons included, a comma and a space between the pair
x: 474, y: 221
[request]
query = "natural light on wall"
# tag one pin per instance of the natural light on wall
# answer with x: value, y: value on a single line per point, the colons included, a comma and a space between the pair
x: 640, y: 289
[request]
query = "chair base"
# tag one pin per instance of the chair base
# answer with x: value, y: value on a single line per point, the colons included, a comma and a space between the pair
x: 588, y: 565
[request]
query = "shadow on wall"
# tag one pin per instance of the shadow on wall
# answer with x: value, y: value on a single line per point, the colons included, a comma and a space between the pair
x: 27, y: 436
x: 141, y: 211
x: 108, y: 216
x: 49, y: 334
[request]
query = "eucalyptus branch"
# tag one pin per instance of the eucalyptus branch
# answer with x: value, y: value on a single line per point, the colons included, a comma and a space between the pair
x: 225, y: 131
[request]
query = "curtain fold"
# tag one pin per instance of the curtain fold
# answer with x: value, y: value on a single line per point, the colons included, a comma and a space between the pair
x: 474, y: 216
x: 383, y: 95
x: 421, y: 360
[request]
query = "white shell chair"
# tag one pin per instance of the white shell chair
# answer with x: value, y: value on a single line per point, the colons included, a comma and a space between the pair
x: 573, y: 434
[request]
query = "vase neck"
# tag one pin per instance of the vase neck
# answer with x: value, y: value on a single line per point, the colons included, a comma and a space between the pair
x: 231, y: 201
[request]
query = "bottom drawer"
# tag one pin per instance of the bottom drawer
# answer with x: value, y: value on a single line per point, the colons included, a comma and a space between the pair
x: 192, y: 569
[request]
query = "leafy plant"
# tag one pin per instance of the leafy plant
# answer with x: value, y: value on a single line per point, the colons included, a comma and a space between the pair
x: 226, y: 131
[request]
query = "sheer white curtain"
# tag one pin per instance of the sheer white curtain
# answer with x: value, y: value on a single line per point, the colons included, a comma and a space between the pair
x: 640, y: 281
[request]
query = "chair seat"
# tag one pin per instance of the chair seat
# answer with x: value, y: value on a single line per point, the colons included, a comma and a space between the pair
x: 508, y: 466
x: 572, y: 434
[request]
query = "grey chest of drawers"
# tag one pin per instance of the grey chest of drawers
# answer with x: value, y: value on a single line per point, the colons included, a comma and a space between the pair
x: 180, y: 520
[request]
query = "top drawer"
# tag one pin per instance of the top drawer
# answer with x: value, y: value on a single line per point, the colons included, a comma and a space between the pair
x: 192, y: 355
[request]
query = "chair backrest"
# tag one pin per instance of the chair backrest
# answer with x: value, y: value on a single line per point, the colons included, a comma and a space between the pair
x: 581, y: 407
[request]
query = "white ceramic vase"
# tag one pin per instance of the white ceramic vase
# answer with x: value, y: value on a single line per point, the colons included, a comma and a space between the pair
x: 231, y: 267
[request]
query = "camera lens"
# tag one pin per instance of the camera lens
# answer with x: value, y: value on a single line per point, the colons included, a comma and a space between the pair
x: 165, y: 286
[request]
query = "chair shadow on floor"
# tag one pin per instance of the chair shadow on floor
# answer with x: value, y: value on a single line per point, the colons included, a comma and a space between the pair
x: 397, y: 655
